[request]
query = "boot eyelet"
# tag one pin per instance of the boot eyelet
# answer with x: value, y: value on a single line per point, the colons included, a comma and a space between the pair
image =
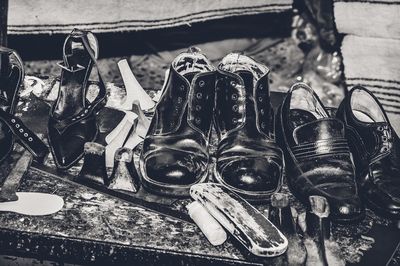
x: 234, y: 97
x: 384, y: 138
x: 17, y: 125
x: 202, y: 83
x: 30, y: 139
x: 260, y: 99
x: 261, y: 87
x: 235, y: 108
x: 198, y: 107
x: 233, y: 83
x: 21, y: 130
x: 197, y: 120
x: 25, y: 135
x: 234, y: 120
x: 262, y: 111
x: 380, y: 128
x: 263, y: 125
x: 384, y: 149
x: 199, y: 95
x: 12, y: 120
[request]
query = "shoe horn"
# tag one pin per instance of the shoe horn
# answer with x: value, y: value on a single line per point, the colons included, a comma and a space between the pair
x: 124, y: 176
x: 94, y: 168
x: 280, y: 214
x: 134, y: 90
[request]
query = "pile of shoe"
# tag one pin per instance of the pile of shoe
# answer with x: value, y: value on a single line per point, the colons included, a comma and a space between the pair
x: 351, y: 158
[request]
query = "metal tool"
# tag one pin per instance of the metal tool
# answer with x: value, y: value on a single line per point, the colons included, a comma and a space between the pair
x: 280, y: 214
x: 124, y: 176
x: 94, y: 164
x: 11, y: 184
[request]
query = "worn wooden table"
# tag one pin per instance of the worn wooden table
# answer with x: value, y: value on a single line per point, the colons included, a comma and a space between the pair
x: 96, y: 228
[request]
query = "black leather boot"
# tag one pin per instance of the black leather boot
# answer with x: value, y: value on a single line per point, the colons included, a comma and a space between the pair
x: 249, y: 161
x: 11, y: 128
x: 317, y: 156
x: 175, y: 150
x: 376, y: 150
x: 72, y: 120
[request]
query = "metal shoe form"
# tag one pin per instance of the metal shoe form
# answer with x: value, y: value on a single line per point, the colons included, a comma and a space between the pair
x: 72, y: 120
x: 280, y: 214
x: 249, y: 162
x: 175, y: 151
x: 322, y: 249
x: 124, y: 176
x: 94, y: 165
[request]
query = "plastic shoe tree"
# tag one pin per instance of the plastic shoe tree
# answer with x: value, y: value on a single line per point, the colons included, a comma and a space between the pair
x: 128, y: 118
x: 134, y: 91
x: 280, y: 214
x: 127, y: 126
x: 94, y: 168
x: 143, y: 123
x: 124, y: 176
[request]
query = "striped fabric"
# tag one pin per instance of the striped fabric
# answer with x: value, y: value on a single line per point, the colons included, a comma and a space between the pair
x: 61, y: 16
x: 368, y: 18
x: 375, y: 64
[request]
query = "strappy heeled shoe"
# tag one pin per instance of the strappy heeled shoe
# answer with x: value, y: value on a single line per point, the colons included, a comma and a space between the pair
x: 11, y: 128
x: 72, y: 119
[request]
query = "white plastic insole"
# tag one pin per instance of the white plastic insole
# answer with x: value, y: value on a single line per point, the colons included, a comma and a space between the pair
x: 34, y: 204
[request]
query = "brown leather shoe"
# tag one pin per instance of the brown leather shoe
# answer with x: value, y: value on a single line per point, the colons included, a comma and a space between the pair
x: 249, y: 161
x: 175, y: 150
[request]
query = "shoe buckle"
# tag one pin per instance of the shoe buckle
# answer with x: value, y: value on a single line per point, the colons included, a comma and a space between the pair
x: 71, y: 69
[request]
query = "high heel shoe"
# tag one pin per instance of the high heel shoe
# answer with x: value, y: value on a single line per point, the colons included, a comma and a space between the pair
x: 72, y: 120
x: 11, y: 128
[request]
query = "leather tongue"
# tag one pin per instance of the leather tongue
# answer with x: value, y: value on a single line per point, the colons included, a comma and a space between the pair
x: 321, y: 129
x: 247, y: 77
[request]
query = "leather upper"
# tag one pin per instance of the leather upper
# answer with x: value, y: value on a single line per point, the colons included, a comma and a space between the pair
x: 248, y: 159
x: 175, y: 150
x: 72, y: 120
x: 10, y: 78
x: 376, y: 149
x: 11, y: 127
x: 317, y: 155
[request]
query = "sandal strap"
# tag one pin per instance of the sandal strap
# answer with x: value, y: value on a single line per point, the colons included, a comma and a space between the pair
x: 62, y: 125
x: 25, y: 136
